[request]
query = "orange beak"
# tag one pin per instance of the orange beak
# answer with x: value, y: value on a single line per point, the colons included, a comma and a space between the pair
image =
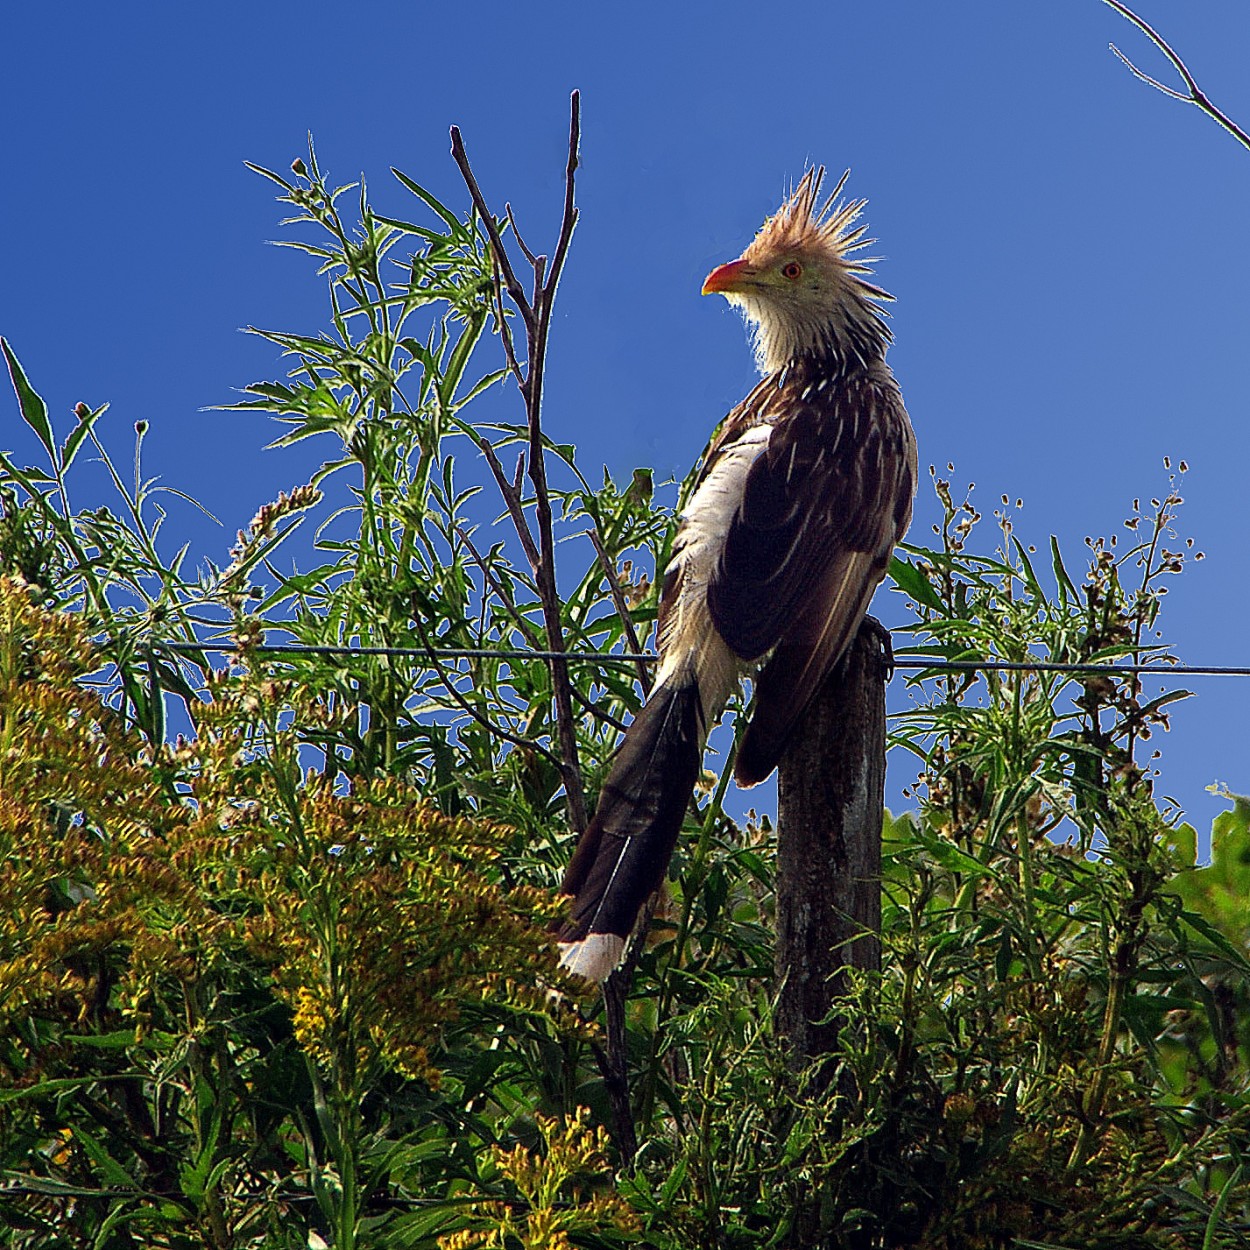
x: 726, y: 279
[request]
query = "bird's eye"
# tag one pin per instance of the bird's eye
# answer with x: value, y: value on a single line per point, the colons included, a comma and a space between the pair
x: 792, y: 270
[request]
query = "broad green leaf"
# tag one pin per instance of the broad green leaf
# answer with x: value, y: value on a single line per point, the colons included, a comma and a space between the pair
x: 112, y: 1172
x: 911, y: 581
x: 34, y: 411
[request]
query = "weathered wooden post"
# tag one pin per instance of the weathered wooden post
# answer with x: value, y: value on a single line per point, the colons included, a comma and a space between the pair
x: 830, y: 799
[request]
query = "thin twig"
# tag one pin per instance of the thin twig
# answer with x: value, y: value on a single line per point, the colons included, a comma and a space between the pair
x: 622, y: 608
x: 613, y: 1060
x: 616, y: 1085
x: 512, y: 497
x: 1146, y: 78
x: 482, y: 719
x: 515, y: 290
x: 570, y: 209
x: 523, y: 623
x: 546, y: 575
x: 541, y: 303
x: 516, y: 234
x: 1193, y: 93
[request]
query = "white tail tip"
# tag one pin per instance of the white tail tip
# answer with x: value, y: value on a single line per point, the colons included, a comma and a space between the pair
x: 595, y: 957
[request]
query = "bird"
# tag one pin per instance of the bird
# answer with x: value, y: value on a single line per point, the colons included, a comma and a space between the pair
x: 803, y: 493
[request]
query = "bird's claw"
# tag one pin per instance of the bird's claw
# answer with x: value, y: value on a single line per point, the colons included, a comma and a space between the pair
x: 885, y: 643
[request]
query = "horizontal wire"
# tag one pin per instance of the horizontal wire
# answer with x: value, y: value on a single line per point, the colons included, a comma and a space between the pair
x: 1055, y: 666
x: 650, y: 657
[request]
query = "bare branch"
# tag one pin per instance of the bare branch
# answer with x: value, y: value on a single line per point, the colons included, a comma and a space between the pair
x: 515, y: 290
x: 1154, y: 82
x: 512, y: 497
x: 541, y: 555
x: 1193, y: 93
x: 540, y: 294
x: 570, y: 208
x: 614, y: 1060
x: 516, y: 234
x: 545, y: 574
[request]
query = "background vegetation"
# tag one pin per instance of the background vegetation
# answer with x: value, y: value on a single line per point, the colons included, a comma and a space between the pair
x: 283, y: 979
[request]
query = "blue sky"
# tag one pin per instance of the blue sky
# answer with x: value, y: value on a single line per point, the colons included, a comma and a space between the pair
x: 1068, y: 248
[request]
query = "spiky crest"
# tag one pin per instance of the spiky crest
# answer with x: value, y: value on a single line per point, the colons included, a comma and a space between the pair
x: 799, y: 225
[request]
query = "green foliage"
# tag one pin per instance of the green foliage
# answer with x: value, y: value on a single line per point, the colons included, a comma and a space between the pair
x: 106, y: 563
x: 286, y: 983
x: 387, y: 389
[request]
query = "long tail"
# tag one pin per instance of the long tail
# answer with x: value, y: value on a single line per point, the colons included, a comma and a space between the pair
x: 623, y: 855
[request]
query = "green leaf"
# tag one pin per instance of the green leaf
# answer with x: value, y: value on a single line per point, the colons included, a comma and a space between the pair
x: 69, y: 448
x: 1067, y: 591
x: 1221, y: 1205
x: 950, y: 857
x: 422, y: 194
x: 48, y: 1185
x: 110, y: 1170
x: 408, y: 227
x: 198, y: 1178
x: 1029, y: 576
x: 268, y: 173
x: 34, y: 410
x: 912, y: 582
x: 484, y: 383
x: 42, y: 1088
x: 459, y: 357
x: 119, y: 1040
x: 673, y: 1183
x: 1217, y: 939
x: 320, y: 252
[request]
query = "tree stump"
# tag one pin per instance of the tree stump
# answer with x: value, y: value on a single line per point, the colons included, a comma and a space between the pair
x: 830, y: 803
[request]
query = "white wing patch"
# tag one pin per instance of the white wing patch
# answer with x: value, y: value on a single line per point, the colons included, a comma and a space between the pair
x: 690, y: 645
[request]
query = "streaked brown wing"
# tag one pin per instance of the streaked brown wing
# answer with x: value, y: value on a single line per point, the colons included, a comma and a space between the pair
x: 835, y: 479
x: 812, y: 646
x: 823, y: 507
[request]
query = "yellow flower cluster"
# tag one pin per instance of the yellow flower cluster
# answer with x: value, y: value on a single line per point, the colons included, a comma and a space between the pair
x: 374, y: 917
x: 549, y: 1190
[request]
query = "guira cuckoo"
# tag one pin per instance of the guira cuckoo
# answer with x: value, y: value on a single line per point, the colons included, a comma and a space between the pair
x: 804, y: 491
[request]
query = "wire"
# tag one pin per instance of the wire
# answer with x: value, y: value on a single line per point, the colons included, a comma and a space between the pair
x: 419, y: 653
x: 650, y: 657
x: 1054, y: 666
